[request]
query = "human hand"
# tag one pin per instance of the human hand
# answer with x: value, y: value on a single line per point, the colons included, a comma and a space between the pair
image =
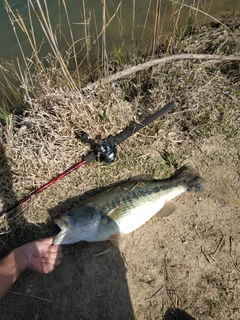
x: 41, y: 255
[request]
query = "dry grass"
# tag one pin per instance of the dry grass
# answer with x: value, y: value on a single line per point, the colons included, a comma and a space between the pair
x: 44, y: 141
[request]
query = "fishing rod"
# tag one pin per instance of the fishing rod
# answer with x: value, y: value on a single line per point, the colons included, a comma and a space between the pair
x: 105, y: 152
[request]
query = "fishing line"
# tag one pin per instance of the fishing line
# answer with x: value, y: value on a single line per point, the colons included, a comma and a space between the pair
x: 104, y: 151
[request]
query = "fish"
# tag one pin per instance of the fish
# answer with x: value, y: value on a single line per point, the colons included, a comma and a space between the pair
x: 112, y: 214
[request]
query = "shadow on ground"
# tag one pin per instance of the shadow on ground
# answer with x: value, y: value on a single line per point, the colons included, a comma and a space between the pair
x: 84, y: 286
x: 14, y: 229
x: 177, y: 314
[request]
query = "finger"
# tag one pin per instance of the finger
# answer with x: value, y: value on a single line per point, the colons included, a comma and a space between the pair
x: 48, y: 241
x: 48, y: 267
x: 55, y: 261
x: 52, y: 255
x: 52, y: 251
x: 55, y: 248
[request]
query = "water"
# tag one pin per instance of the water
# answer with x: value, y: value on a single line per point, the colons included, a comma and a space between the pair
x: 10, y: 49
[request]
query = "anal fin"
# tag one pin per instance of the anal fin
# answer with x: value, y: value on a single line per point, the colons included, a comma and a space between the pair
x: 118, y: 240
x: 166, y: 210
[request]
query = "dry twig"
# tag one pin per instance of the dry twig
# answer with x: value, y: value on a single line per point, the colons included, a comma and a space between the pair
x: 155, y: 62
x: 27, y: 295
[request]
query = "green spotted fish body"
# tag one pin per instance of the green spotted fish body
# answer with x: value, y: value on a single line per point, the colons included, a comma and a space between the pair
x: 111, y: 214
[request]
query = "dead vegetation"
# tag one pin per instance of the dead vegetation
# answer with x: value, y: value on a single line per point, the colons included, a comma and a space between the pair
x: 189, y: 261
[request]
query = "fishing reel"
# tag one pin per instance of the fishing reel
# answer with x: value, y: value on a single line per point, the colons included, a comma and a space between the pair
x: 105, y: 149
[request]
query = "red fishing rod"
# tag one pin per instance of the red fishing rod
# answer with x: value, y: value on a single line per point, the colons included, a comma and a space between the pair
x: 104, y: 151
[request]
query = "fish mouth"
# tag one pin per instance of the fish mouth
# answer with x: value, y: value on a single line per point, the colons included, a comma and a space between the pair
x: 61, y: 228
x: 55, y: 227
x: 62, y: 237
x: 73, y: 230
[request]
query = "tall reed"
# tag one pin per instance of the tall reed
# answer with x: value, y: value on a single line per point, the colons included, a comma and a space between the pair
x: 81, y: 49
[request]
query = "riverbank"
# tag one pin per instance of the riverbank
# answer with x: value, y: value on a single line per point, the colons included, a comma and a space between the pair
x: 188, y: 261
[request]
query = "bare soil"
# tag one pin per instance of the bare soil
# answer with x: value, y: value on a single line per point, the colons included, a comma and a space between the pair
x: 185, y: 266
x: 189, y: 261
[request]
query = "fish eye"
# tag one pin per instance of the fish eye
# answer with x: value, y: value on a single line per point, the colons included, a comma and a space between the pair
x: 70, y: 213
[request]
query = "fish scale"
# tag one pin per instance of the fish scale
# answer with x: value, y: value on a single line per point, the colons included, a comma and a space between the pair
x: 120, y: 210
x: 145, y: 203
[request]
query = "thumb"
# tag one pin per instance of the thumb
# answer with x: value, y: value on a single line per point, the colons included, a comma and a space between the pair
x: 35, y: 264
x: 48, y: 240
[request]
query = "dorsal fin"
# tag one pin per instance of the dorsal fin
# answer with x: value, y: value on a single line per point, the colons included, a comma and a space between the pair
x: 143, y: 177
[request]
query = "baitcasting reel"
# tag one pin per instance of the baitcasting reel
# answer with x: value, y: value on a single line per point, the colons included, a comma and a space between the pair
x: 105, y: 150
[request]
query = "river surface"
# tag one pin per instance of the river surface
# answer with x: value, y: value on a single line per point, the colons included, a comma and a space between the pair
x: 94, y: 13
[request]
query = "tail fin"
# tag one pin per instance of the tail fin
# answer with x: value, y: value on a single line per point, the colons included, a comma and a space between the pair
x: 192, y: 179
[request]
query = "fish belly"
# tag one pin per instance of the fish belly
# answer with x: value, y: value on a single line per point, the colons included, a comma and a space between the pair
x: 135, y: 217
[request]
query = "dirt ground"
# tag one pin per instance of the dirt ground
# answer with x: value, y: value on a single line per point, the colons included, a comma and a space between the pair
x: 185, y: 266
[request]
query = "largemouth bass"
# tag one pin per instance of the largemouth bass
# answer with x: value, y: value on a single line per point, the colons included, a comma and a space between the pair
x: 111, y: 214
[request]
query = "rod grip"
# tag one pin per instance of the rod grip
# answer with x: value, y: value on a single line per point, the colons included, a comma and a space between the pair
x: 89, y: 157
x: 122, y: 136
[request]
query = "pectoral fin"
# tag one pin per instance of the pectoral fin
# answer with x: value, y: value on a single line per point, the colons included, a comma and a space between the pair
x: 92, y: 205
x: 167, y: 209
